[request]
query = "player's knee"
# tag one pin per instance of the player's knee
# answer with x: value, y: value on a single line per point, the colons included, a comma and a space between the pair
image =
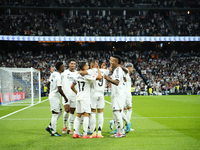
x: 72, y: 110
x: 99, y: 110
x: 86, y: 114
x: 67, y: 108
x: 79, y: 115
x: 93, y: 110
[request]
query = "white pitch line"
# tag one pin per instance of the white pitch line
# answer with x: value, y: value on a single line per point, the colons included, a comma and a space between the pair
x: 107, y: 102
x: 21, y: 109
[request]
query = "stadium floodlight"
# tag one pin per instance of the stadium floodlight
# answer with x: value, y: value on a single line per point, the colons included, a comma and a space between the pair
x: 19, y: 86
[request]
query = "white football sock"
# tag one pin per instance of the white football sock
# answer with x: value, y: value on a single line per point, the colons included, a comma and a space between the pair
x: 77, y: 125
x: 85, y: 125
x: 118, y: 116
x: 129, y: 113
x: 54, y: 122
x: 100, y: 122
x: 65, y: 117
x: 50, y: 125
x: 124, y: 117
x: 115, y: 121
x: 70, y: 121
x: 93, y: 121
x: 60, y: 113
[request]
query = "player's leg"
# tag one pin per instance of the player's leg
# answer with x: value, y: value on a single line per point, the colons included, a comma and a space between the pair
x: 56, y: 113
x: 65, y: 114
x: 93, y: 115
x: 100, y: 122
x: 71, y: 120
x: 100, y: 107
x: 93, y: 122
x: 129, y: 111
x: 71, y: 115
x: 85, y: 125
x: 120, y: 129
x: 77, y: 126
x: 77, y: 121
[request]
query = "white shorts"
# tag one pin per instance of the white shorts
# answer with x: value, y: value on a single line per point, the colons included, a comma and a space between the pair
x: 71, y: 102
x: 117, y: 103
x: 83, y: 106
x: 128, y: 102
x: 55, y: 104
x: 97, y: 102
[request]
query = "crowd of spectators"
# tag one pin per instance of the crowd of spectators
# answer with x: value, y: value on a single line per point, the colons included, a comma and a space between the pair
x: 152, y: 3
x: 25, y: 2
x: 194, y: 3
x: 175, y: 73
x: 38, y: 24
x: 86, y: 3
x: 185, y: 24
x: 99, y: 23
x: 116, y: 25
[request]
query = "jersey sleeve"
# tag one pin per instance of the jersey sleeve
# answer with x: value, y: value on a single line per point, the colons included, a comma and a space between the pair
x: 74, y: 82
x: 91, y: 72
x: 58, y: 80
x: 90, y: 77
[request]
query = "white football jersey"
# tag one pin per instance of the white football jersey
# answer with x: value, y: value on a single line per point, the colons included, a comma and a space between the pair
x: 128, y: 81
x: 98, y: 87
x: 117, y: 91
x: 55, y: 81
x: 83, y: 86
x: 67, y: 80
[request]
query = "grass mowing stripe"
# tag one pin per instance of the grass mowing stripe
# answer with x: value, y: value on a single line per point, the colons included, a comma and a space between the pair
x: 21, y: 109
x: 24, y: 119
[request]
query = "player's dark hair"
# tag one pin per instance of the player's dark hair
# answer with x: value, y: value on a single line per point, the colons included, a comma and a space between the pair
x: 82, y: 64
x: 118, y: 58
x: 71, y: 59
x: 58, y: 64
x: 93, y: 61
x: 122, y: 59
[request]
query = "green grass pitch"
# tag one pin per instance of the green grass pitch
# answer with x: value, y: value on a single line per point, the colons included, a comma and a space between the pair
x: 160, y: 123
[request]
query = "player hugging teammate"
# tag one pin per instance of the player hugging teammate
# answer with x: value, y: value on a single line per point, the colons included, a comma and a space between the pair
x: 83, y: 91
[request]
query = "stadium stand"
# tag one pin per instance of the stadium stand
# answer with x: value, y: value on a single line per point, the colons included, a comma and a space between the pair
x: 40, y: 24
x: 164, y: 72
x: 25, y: 2
x: 113, y: 25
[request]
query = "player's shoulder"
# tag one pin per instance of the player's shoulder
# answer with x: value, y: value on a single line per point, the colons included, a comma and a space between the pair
x: 92, y: 71
x: 64, y: 72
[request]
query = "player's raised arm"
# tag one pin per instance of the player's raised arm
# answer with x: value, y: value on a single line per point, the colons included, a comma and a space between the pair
x: 124, y: 69
x: 99, y: 76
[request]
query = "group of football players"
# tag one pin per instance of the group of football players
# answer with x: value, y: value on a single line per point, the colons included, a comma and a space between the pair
x: 83, y: 91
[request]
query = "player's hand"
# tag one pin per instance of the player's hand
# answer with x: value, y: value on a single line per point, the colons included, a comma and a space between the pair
x: 97, y: 65
x: 110, y: 69
x: 103, y: 66
x: 105, y: 76
x: 66, y: 100
x: 52, y: 69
